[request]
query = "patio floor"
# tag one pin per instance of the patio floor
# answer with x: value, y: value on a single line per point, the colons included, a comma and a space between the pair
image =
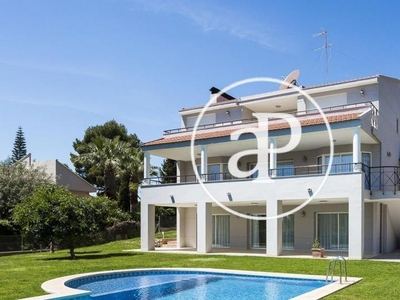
x: 393, y: 256
x: 251, y: 252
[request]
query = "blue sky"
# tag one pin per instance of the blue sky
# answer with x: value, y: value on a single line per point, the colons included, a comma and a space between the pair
x: 68, y: 65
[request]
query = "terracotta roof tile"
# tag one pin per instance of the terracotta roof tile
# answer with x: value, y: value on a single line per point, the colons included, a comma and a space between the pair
x: 307, y: 121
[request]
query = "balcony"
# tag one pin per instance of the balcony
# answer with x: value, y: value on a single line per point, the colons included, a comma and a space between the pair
x: 382, y: 178
x: 296, y: 114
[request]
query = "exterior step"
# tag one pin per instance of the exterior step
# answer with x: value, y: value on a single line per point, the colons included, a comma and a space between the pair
x: 168, y: 243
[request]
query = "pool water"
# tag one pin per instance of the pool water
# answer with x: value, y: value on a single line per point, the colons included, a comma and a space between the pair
x: 173, y: 285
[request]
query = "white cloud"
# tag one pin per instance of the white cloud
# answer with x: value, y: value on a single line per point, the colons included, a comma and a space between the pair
x: 57, y: 68
x: 214, y: 18
x: 31, y: 101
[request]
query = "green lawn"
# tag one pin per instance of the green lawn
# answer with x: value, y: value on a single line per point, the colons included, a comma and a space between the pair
x: 22, y: 275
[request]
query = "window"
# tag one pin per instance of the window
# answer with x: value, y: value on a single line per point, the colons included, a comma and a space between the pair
x: 283, y: 168
x: 251, y: 167
x: 333, y: 230
x: 288, y: 232
x: 341, y: 162
x: 220, y: 230
x: 259, y: 232
x: 205, y: 120
x: 213, y: 172
x: 366, y: 158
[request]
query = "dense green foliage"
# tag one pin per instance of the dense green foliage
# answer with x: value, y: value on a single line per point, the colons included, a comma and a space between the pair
x: 19, y: 150
x: 106, y: 155
x: 23, y: 274
x: 18, y: 182
x: 6, y: 162
x: 168, y: 171
x: 110, y: 158
x: 168, y: 175
x: 54, y: 215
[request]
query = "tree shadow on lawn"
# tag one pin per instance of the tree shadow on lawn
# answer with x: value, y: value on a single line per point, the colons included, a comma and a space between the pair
x: 87, y: 252
x: 90, y: 256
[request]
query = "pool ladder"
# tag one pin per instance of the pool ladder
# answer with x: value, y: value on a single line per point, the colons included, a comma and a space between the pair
x: 331, y: 268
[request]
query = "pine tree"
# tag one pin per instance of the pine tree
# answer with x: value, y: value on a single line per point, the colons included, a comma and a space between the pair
x: 19, y: 150
x: 168, y: 171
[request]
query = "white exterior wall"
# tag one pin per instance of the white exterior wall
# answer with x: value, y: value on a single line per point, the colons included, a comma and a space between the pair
x: 247, y: 191
x: 389, y: 112
x: 344, y: 192
x: 147, y: 226
x: 296, y: 156
x: 186, y: 227
x: 389, y: 235
x: 304, y: 228
x: 327, y: 101
x: 204, y: 234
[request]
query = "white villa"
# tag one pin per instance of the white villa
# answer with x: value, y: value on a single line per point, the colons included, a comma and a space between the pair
x: 355, y: 212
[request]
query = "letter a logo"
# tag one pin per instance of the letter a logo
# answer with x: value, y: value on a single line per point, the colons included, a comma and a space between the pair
x: 265, y: 146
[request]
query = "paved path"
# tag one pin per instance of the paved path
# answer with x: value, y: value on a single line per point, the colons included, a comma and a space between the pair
x: 393, y: 256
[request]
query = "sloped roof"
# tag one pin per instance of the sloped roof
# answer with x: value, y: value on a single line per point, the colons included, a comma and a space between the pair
x: 305, y: 120
x: 61, y: 174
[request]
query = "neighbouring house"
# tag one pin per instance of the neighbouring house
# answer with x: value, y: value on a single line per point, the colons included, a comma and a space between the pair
x: 356, y: 210
x: 62, y: 175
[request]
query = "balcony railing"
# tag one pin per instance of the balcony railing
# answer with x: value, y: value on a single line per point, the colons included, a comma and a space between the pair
x: 296, y: 113
x: 383, y: 178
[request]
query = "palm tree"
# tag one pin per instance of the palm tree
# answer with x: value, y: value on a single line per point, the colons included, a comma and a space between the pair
x: 133, y: 165
x: 108, y: 155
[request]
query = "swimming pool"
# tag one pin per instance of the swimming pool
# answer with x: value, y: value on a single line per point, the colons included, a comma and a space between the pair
x: 173, y: 284
x: 177, y: 284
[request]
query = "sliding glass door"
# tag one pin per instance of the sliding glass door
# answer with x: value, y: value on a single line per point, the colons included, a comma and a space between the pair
x: 221, y: 230
x: 333, y: 230
x: 288, y: 232
x: 259, y: 233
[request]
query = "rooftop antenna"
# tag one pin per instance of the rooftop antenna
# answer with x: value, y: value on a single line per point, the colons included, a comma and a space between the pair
x: 324, y: 34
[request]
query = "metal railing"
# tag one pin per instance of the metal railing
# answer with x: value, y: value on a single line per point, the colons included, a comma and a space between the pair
x: 382, y: 178
x: 375, y: 113
x: 11, y: 243
x: 188, y: 178
x: 279, y: 172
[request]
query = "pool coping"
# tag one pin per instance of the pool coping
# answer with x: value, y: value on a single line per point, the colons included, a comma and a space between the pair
x: 58, y: 290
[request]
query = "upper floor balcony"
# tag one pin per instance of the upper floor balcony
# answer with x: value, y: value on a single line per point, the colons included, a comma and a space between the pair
x: 303, y: 114
x: 381, y: 178
x: 354, y: 129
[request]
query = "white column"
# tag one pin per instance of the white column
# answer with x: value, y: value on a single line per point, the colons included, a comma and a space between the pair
x: 272, y: 157
x: 384, y: 241
x: 356, y: 225
x: 178, y: 171
x: 357, y: 150
x: 274, y: 228
x: 376, y: 228
x: 204, y: 162
x: 180, y: 226
x: 147, y: 226
x: 146, y: 167
x: 204, y: 227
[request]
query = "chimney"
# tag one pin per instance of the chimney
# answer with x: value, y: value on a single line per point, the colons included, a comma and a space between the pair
x: 223, y: 97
